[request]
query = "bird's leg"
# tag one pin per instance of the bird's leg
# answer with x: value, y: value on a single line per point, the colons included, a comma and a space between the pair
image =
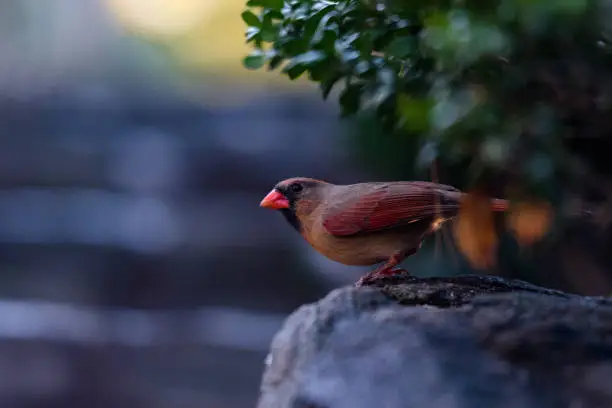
x: 386, y: 269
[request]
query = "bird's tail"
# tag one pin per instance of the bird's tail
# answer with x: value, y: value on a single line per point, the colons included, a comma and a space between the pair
x: 498, y: 204
x: 457, y: 198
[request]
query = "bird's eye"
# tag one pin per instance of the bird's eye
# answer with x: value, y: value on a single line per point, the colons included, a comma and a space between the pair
x: 296, y: 188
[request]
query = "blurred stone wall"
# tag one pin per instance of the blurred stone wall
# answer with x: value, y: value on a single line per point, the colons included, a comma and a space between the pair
x: 136, y: 268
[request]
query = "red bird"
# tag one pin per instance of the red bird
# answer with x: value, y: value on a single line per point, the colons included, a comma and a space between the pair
x: 367, y: 223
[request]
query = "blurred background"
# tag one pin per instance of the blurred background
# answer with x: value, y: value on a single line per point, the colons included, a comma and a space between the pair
x: 136, y: 269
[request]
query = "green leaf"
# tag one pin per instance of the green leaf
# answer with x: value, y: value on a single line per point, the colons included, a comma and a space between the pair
x: 251, y: 19
x: 345, y: 49
x: 413, y: 113
x: 365, y: 44
x: 309, y: 57
x: 349, y: 55
x: 362, y: 67
x: 275, y: 62
x: 273, y: 15
x: 349, y: 39
x: 252, y: 33
x: 274, y: 4
x: 401, y: 47
x: 350, y: 99
x: 255, y: 60
x: 294, y: 71
x: 299, y: 64
x: 269, y: 29
x: 293, y: 46
x: 328, y: 41
x: 327, y: 85
x: 271, y: 4
x: 269, y: 32
x: 316, y: 23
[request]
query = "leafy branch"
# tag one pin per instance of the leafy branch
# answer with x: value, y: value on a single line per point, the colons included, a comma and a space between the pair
x: 504, y: 86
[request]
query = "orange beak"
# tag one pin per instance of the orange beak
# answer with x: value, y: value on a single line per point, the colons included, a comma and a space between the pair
x: 275, y: 201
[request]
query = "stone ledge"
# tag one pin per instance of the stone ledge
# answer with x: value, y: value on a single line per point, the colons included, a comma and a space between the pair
x: 466, y: 341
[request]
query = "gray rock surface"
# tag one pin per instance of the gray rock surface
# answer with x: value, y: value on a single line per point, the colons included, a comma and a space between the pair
x: 468, y: 341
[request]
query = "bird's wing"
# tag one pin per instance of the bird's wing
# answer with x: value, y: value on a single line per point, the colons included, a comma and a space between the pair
x: 388, y: 206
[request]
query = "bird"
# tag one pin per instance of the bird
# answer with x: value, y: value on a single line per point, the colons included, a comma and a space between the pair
x: 367, y: 223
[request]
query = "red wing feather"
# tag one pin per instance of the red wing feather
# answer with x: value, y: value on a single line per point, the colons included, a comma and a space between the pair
x: 387, y: 208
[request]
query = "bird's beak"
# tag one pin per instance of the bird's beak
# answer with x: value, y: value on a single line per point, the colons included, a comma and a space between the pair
x: 274, y: 200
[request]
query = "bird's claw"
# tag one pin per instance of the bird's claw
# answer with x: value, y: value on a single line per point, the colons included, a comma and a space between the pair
x: 375, y: 275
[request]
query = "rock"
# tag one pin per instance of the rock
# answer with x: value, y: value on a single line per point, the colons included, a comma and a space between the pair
x: 468, y: 341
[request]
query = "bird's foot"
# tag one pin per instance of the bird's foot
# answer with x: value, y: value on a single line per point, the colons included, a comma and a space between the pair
x: 379, y: 274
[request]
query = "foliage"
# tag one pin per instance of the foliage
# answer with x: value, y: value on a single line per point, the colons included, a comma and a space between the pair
x: 509, y: 89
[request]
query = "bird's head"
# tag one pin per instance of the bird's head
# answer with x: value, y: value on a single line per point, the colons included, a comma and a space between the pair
x: 295, y: 197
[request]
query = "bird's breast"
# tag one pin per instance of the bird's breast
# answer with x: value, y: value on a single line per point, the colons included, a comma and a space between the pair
x: 365, y: 249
